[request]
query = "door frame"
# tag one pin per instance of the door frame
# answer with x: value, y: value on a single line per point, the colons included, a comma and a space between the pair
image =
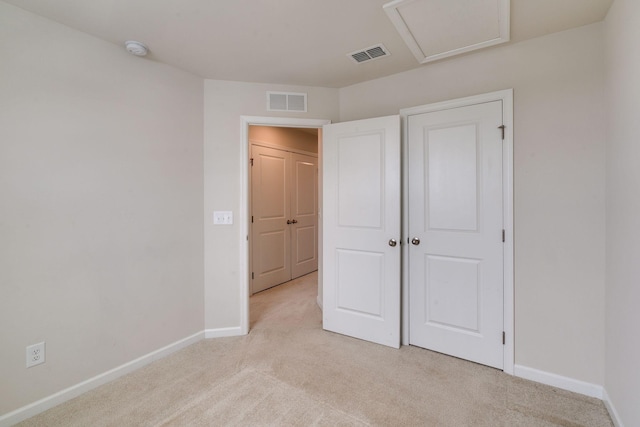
x: 506, y: 96
x: 244, y: 214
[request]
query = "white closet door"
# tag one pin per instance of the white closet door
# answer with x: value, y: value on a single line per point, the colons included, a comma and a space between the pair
x: 455, y: 222
x: 361, y: 229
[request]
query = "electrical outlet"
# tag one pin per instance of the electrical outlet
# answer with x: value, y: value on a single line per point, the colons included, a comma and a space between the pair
x: 35, y: 354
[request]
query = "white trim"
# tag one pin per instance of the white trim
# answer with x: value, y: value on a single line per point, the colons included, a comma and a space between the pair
x: 507, y: 218
x: 243, y: 216
x: 404, y: 232
x: 319, y: 302
x: 506, y: 96
x: 69, y: 393
x: 555, y: 380
x: 617, y: 421
x: 223, y: 332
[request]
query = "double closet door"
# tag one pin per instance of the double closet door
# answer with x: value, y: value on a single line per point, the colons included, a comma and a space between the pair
x: 284, y: 216
x: 454, y: 230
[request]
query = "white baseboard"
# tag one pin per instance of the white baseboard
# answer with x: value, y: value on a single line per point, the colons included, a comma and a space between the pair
x: 565, y: 383
x: 69, y: 393
x: 234, y: 331
x: 612, y: 410
x: 319, y: 301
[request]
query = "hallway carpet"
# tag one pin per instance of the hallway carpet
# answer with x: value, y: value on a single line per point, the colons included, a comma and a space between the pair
x: 289, y: 372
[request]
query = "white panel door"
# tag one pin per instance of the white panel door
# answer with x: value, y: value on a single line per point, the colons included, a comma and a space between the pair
x: 455, y: 223
x: 361, y: 229
x: 270, y: 204
x: 304, y: 214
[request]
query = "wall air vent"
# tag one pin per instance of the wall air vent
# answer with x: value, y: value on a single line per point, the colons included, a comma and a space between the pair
x: 369, y: 54
x: 287, y: 101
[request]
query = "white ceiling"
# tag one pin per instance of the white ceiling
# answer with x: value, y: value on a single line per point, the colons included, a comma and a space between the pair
x: 303, y: 42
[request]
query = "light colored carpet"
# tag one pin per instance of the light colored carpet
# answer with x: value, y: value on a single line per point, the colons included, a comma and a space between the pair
x: 289, y: 372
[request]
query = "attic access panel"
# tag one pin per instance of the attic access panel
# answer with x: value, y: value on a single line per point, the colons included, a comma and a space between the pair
x: 436, y: 29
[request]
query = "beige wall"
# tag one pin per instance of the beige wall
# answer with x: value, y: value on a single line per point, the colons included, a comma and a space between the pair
x: 285, y: 137
x: 558, y: 83
x: 102, y: 182
x: 101, y: 185
x: 225, y: 103
x: 622, y: 380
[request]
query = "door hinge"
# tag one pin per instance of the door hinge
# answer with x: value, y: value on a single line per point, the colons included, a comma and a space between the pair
x: 503, y: 236
x: 504, y: 338
x: 502, y: 128
x: 252, y: 275
x: 251, y: 219
x: 251, y: 159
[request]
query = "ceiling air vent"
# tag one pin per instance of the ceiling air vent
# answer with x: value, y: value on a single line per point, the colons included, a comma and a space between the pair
x: 369, y: 54
x: 287, y: 101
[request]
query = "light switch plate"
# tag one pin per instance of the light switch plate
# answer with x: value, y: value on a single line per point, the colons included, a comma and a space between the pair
x: 223, y: 217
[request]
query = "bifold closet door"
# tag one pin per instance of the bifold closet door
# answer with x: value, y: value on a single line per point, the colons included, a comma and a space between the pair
x: 284, y: 204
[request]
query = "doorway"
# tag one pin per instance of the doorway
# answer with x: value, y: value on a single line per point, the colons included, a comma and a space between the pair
x: 244, y: 211
x: 284, y: 204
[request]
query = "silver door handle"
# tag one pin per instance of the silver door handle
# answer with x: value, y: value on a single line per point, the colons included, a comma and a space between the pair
x: 294, y: 221
x: 288, y: 222
x: 392, y: 242
x: 415, y: 241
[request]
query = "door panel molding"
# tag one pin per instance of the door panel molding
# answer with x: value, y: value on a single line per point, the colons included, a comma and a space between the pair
x: 506, y: 96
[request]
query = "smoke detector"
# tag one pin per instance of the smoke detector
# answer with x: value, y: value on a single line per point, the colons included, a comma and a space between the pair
x: 136, y: 48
